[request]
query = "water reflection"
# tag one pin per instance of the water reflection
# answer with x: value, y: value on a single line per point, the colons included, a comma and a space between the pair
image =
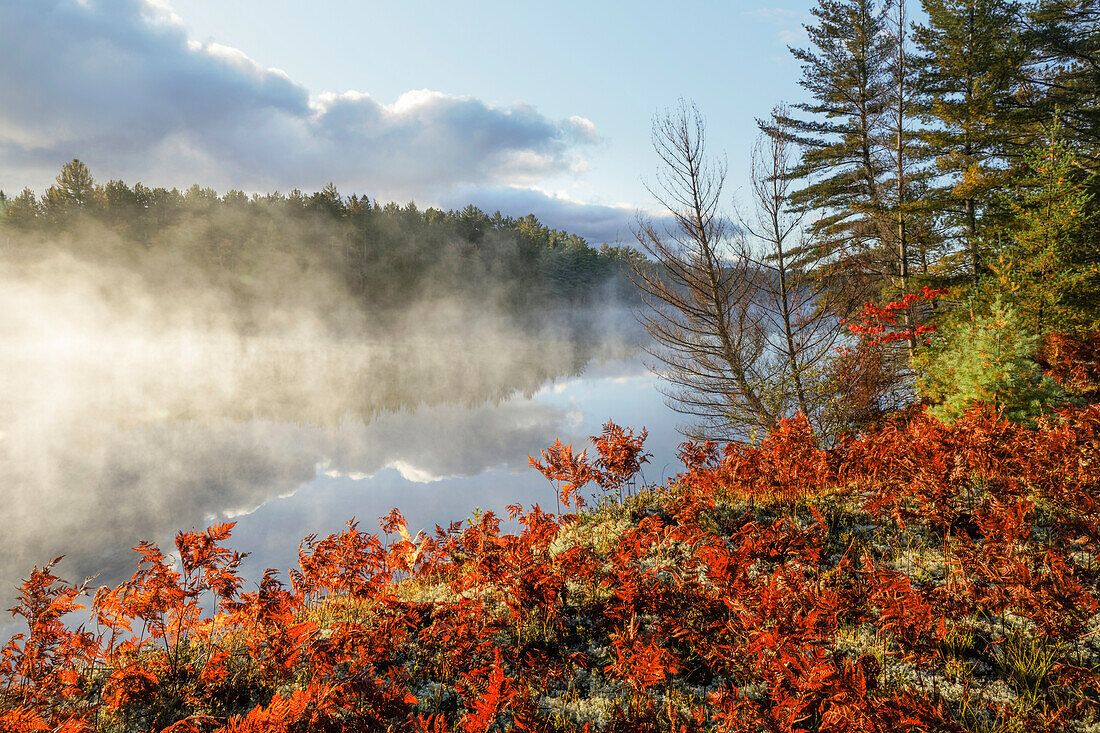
x: 489, y: 476
x: 137, y: 439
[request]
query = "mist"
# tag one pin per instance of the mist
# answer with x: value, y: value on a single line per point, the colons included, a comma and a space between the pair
x: 149, y: 387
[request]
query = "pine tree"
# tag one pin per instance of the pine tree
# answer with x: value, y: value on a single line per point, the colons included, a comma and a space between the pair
x: 1050, y: 263
x: 971, y: 55
x: 328, y: 201
x: 75, y: 189
x: 987, y: 358
x: 23, y: 210
x: 843, y: 162
x: 908, y: 222
x: 1063, y: 70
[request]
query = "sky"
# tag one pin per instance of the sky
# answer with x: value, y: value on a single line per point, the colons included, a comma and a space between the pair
x: 521, y: 107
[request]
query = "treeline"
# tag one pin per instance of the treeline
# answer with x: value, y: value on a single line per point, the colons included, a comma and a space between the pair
x: 387, y: 256
x: 927, y: 147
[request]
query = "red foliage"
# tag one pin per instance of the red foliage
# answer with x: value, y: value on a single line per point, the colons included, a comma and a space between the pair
x: 875, y: 322
x: 1073, y: 360
x: 620, y: 458
x: 38, y: 670
x: 573, y: 472
x: 751, y: 602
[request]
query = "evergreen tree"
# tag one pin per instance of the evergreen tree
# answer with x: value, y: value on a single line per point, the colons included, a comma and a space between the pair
x: 1050, y: 264
x: 197, y: 198
x: 23, y: 210
x: 120, y: 205
x: 75, y: 189
x: 908, y: 223
x: 473, y: 223
x: 987, y: 358
x: 971, y: 56
x: 329, y: 201
x: 1064, y: 69
x: 843, y: 162
x: 235, y: 198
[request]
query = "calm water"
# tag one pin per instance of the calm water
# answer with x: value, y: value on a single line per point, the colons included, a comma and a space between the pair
x: 438, y: 463
x: 107, y: 439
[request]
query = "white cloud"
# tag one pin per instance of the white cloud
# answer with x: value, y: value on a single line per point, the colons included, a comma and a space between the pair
x: 118, y: 84
x: 583, y: 129
x: 598, y: 223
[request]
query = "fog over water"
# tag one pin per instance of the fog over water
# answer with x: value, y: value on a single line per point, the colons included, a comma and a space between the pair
x: 129, y: 412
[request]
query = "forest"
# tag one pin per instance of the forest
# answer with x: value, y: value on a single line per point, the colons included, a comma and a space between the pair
x: 935, y: 197
x: 386, y: 256
x: 888, y: 517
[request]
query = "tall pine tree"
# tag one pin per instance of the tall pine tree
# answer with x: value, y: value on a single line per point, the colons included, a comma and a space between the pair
x: 74, y: 189
x: 1063, y: 71
x: 971, y: 56
x: 842, y: 160
x: 908, y: 223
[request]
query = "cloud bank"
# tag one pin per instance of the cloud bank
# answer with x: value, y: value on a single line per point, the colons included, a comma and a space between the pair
x: 597, y: 222
x: 118, y: 84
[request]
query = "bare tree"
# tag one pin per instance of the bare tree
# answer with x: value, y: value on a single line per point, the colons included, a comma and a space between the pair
x: 740, y: 336
x: 798, y: 312
x: 699, y: 302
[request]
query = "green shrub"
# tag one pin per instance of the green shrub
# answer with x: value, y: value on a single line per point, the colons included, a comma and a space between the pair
x: 987, y: 359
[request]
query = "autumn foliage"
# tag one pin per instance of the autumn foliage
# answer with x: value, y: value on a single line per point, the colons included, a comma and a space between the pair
x: 920, y: 577
x: 1073, y: 360
x: 879, y: 324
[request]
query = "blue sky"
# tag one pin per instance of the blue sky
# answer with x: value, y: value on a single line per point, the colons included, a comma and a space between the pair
x: 542, y: 107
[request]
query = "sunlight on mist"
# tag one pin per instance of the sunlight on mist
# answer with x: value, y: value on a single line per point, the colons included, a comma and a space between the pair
x: 131, y: 408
